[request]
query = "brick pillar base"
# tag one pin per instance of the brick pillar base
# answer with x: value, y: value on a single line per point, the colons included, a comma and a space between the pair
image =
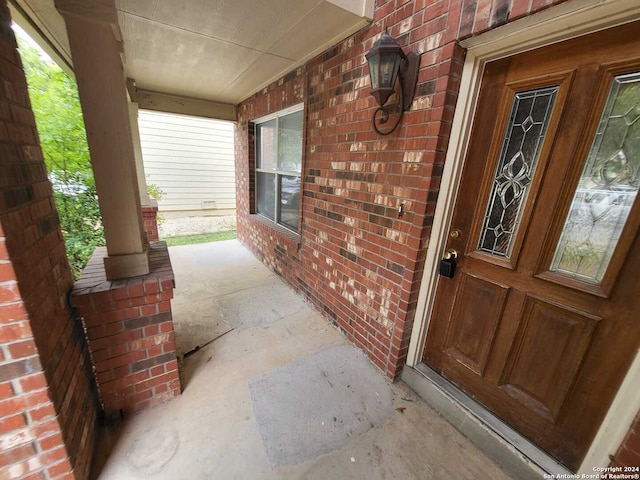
x: 130, y: 332
x: 150, y: 219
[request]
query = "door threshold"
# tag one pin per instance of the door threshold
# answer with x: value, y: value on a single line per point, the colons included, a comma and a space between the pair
x: 515, y: 454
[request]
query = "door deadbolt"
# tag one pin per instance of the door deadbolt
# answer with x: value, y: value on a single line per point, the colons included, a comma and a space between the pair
x: 450, y: 253
x: 455, y: 233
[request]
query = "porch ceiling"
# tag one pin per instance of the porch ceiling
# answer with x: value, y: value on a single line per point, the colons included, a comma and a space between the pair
x: 222, y: 50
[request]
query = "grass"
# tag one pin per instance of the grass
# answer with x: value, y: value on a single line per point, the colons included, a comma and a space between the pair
x: 200, y: 238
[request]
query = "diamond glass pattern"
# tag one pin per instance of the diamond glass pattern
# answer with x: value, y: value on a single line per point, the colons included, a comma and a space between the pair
x: 525, y: 132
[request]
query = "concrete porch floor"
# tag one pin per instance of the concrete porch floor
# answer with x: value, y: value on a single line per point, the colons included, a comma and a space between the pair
x: 279, y: 393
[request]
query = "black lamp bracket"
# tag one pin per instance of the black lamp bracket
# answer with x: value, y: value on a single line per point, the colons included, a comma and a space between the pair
x: 409, y: 78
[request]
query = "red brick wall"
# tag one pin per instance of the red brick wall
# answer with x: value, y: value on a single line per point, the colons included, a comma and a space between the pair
x: 30, y: 434
x: 628, y: 455
x: 150, y: 221
x: 47, y: 404
x: 357, y: 260
x: 130, y: 331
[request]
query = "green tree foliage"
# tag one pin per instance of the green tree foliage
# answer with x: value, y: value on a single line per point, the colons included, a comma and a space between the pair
x: 55, y: 103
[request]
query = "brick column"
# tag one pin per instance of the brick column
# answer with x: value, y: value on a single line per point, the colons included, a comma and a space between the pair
x: 150, y: 220
x: 30, y: 434
x: 130, y: 332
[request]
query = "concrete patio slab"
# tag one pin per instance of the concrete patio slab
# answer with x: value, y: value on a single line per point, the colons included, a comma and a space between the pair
x: 259, y: 306
x: 242, y: 391
x: 204, y: 274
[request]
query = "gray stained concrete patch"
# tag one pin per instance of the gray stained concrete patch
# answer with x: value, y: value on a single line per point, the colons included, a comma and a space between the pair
x: 152, y: 449
x: 318, y: 404
x: 259, y: 306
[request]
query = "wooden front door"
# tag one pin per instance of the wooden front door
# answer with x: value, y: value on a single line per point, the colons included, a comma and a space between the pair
x: 542, y: 317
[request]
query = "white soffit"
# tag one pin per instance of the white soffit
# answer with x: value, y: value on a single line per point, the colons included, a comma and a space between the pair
x: 222, y: 50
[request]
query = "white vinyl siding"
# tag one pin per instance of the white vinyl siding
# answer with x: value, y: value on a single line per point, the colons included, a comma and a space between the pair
x: 191, y: 159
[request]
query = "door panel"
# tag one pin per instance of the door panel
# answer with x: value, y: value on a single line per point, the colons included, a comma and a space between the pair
x: 522, y: 327
x: 560, y: 337
x: 471, y: 332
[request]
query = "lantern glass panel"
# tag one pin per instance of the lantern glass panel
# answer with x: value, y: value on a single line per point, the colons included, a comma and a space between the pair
x: 389, y: 66
x: 374, y: 72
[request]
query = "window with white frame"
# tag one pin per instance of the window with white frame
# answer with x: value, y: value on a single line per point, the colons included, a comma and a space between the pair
x: 279, y: 166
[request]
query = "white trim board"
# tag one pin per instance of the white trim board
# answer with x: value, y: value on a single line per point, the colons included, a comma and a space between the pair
x: 567, y: 20
x: 280, y: 113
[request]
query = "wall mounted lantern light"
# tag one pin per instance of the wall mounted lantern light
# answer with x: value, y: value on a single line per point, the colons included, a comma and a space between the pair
x: 388, y: 63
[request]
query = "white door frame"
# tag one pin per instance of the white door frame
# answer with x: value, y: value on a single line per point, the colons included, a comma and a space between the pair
x: 567, y: 20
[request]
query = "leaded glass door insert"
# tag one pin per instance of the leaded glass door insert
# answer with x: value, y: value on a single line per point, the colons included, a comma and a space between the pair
x: 528, y: 123
x: 607, y: 187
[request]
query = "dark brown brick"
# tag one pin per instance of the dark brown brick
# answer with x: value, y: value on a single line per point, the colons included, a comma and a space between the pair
x: 152, y: 362
x: 20, y: 368
x: 140, y: 322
